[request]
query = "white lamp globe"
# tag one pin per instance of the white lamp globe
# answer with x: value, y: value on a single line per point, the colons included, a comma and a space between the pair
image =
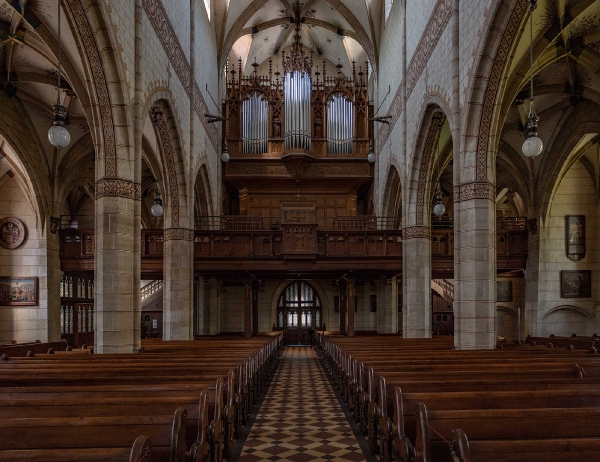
x: 157, y: 210
x: 439, y: 209
x: 532, y: 146
x: 59, y: 136
x: 225, y: 156
x: 371, y: 157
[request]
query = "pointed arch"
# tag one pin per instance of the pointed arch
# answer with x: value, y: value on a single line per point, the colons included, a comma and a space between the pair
x: 392, y: 206
x: 172, y: 162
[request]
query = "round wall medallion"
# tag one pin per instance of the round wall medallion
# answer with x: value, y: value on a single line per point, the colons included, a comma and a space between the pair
x: 12, y: 233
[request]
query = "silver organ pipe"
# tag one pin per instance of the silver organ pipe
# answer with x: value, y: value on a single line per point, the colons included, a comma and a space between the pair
x: 297, y: 93
x: 255, y: 124
x: 340, y: 124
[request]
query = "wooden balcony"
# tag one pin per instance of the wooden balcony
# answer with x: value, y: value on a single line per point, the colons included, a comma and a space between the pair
x: 260, y: 244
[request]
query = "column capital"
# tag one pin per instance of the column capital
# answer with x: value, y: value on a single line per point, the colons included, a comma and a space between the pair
x: 179, y: 234
x: 118, y: 187
x: 475, y: 190
x: 416, y: 232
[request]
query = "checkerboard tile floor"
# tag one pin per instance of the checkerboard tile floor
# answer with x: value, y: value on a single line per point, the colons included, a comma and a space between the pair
x: 300, y: 418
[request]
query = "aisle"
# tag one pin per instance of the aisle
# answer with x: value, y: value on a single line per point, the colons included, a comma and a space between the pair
x: 300, y: 418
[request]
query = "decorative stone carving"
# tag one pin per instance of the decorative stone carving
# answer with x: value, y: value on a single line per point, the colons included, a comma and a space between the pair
x: 428, y: 148
x: 108, y: 187
x: 575, y: 236
x: 433, y: 31
x: 168, y: 38
x: 416, y: 232
x: 494, y: 81
x: 90, y: 48
x: 475, y: 190
x: 165, y: 141
x: 179, y: 234
x: 12, y: 233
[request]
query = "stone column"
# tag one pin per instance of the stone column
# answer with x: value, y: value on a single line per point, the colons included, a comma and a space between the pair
x: 530, y: 322
x: 351, y: 304
x: 115, y: 265
x: 475, y: 266
x: 416, y: 263
x: 247, y: 308
x: 212, y: 309
x: 52, y: 282
x: 178, y: 268
x: 342, y: 308
x: 255, y: 287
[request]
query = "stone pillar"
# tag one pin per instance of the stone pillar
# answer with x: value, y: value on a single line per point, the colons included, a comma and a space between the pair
x: 178, y: 299
x: 255, y: 286
x: 117, y: 279
x: 342, y: 308
x: 52, y: 282
x: 416, y: 263
x: 530, y: 322
x: 351, y: 304
x: 247, y: 308
x: 475, y: 266
x: 212, y: 309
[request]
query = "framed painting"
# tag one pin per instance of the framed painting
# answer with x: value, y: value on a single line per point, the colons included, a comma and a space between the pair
x: 576, y: 284
x: 575, y: 237
x: 18, y: 291
x: 504, y: 291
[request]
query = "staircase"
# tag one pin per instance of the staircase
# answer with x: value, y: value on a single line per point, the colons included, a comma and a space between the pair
x: 152, y: 293
x: 444, y: 289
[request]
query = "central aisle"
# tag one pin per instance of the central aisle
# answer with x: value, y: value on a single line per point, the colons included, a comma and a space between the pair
x: 300, y: 418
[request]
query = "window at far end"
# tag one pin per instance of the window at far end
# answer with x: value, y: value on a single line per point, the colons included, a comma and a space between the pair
x: 388, y: 8
x: 207, y: 5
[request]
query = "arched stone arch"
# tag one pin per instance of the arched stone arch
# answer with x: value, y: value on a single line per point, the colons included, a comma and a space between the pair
x: 107, y: 92
x: 422, y: 163
x: 172, y: 161
x: 576, y: 308
x: 202, y: 193
x: 393, y: 194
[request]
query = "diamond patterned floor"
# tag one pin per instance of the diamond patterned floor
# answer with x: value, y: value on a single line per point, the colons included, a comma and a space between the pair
x: 300, y: 418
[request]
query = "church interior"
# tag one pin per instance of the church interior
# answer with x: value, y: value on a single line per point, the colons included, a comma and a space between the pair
x: 317, y: 230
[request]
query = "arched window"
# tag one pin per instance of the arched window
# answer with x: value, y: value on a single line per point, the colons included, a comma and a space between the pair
x: 255, y: 123
x: 388, y: 8
x: 299, y: 306
x: 340, y: 125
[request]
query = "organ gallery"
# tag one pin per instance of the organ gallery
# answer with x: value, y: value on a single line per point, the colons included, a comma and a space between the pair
x: 299, y: 230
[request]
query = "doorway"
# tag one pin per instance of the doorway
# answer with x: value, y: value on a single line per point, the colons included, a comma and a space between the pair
x: 299, y: 313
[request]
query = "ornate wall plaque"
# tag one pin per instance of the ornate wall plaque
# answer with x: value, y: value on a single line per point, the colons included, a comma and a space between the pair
x: 575, y: 235
x: 576, y: 284
x: 504, y: 291
x: 12, y: 233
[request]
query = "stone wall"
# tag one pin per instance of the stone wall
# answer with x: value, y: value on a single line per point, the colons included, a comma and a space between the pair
x: 36, y: 257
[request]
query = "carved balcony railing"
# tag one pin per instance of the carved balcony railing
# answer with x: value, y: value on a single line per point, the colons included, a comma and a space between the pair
x: 347, y: 239
x: 264, y: 223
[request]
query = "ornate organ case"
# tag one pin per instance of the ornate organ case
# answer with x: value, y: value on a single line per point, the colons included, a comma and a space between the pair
x: 301, y: 134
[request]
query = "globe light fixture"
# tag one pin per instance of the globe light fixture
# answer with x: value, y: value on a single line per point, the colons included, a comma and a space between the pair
x: 157, y: 208
x: 533, y: 145
x: 225, y: 155
x: 371, y: 156
x: 439, y: 209
x: 58, y: 135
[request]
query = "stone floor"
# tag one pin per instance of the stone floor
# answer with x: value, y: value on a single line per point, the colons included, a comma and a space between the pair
x: 300, y: 418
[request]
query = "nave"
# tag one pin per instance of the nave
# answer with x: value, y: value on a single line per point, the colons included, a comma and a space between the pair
x: 301, y: 418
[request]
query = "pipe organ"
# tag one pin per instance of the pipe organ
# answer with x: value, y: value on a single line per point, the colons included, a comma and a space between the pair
x: 340, y: 124
x: 302, y: 109
x: 255, y: 123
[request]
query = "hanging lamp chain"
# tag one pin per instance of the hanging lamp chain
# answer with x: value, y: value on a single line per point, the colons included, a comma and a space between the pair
x: 59, y: 53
